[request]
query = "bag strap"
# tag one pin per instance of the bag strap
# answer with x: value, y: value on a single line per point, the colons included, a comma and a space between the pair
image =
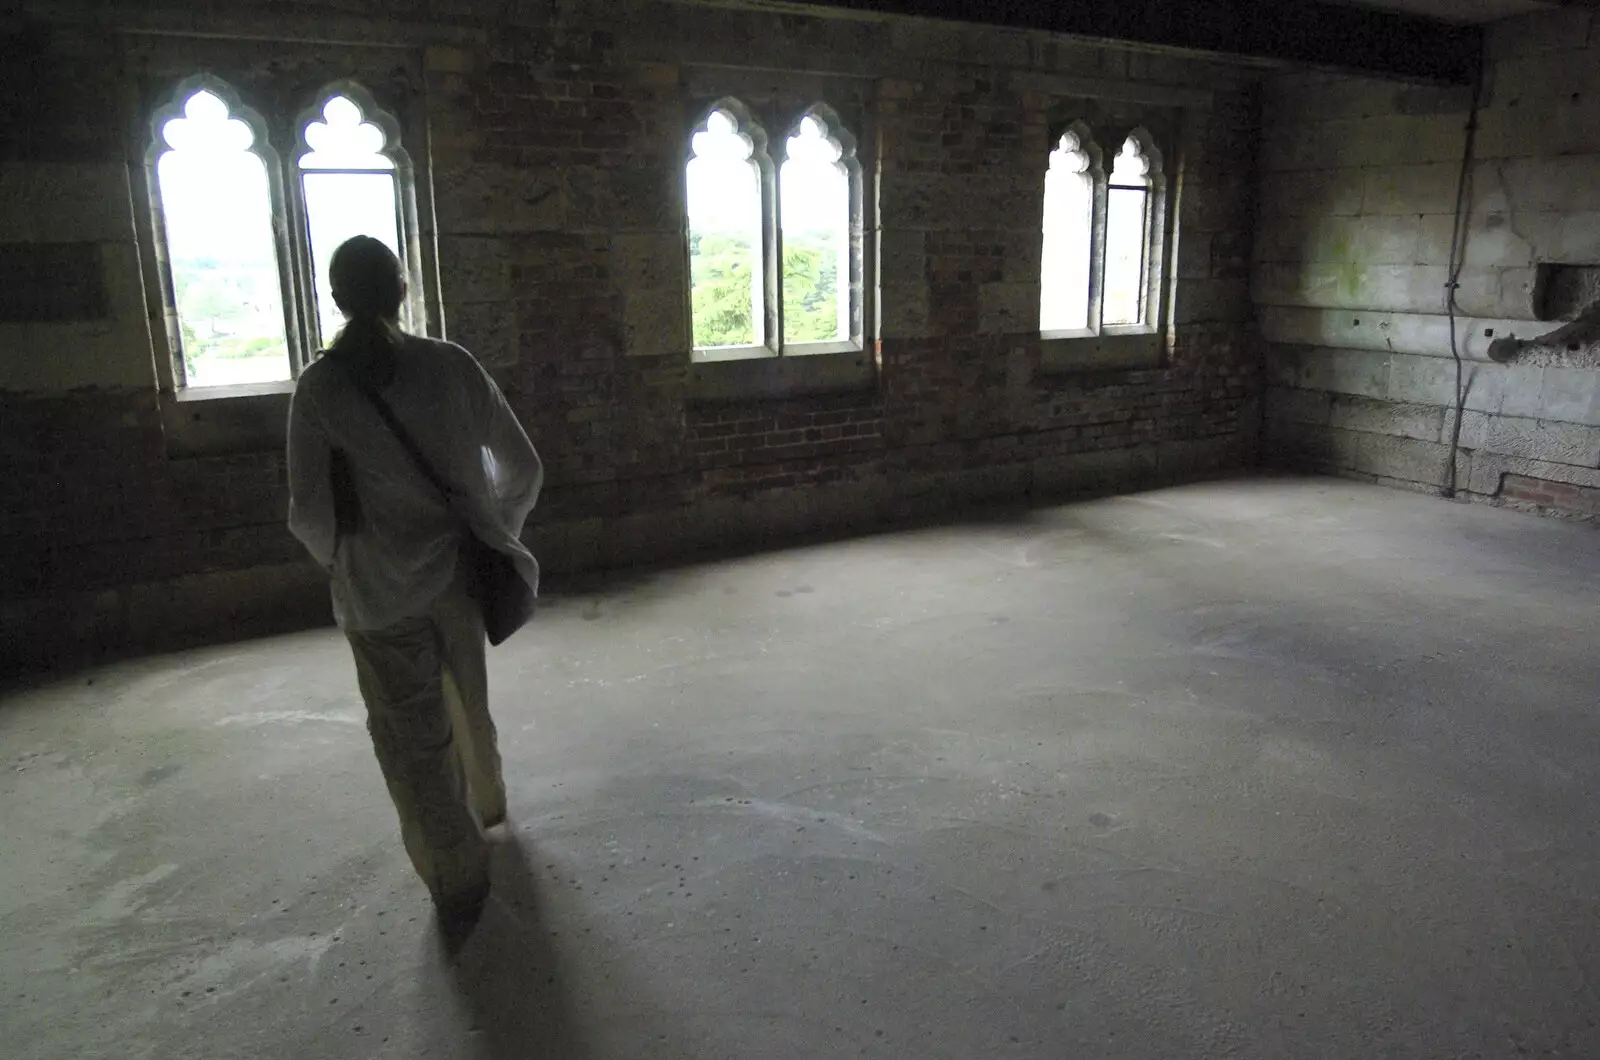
x: 407, y: 443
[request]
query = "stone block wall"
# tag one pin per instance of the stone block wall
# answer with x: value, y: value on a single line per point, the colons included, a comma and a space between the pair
x: 1352, y: 257
x: 555, y: 136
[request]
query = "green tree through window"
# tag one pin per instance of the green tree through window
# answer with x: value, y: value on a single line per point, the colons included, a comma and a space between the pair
x: 217, y: 210
x: 719, y: 272
x: 725, y: 274
x: 810, y: 290
x: 814, y: 213
x: 733, y: 212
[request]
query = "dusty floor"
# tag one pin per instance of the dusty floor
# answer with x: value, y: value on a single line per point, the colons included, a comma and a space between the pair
x: 1265, y: 769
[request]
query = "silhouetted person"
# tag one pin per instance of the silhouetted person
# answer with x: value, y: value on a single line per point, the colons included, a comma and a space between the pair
x: 393, y: 545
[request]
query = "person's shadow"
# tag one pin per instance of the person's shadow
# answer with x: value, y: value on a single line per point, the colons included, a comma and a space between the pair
x: 510, y: 971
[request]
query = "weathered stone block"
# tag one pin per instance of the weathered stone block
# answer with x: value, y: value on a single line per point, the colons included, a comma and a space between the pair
x: 995, y: 201
x: 1098, y: 470
x: 1434, y: 234
x: 1327, y: 192
x: 1198, y: 456
x: 447, y: 60
x: 1422, y: 380
x: 488, y: 329
x: 1295, y: 148
x: 1359, y: 286
x: 1564, y: 235
x: 905, y: 311
x: 655, y: 321
x: 1214, y: 206
x: 1194, y: 255
x: 1497, y: 294
x: 1561, y: 443
x: 1296, y: 100
x: 927, y: 39
x: 902, y: 256
x: 1275, y: 284
x: 1348, y: 372
x: 492, y: 199
x: 1402, y: 458
x: 1570, y: 395
x: 1410, y: 189
x: 613, y: 199
x: 1488, y: 469
x: 1552, y: 30
x: 474, y: 269
x: 1550, y: 184
x: 1531, y: 79
x: 648, y: 259
x: 1370, y: 416
x: 58, y: 202
x: 1485, y: 385
x: 1023, y: 249
x: 656, y: 75
x: 1554, y: 127
x: 1211, y: 300
x: 1008, y: 308
x: 1474, y: 428
x: 1521, y: 390
x: 1285, y: 365
x: 1363, y: 240
x: 1299, y: 406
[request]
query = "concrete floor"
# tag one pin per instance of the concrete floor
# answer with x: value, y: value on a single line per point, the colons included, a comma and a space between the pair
x: 1282, y: 768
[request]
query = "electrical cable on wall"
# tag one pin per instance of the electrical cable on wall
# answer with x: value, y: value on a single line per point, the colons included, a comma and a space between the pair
x: 1458, y: 260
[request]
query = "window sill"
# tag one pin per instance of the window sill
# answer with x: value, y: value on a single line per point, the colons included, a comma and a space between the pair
x: 772, y: 377
x: 719, y: 354
x: 226, y: 420
x: 233, y: 391
x: 1112, y: 350
x: 820, y: 349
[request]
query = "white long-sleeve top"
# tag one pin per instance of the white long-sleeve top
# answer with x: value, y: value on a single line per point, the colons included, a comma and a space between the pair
x: 403, y: 553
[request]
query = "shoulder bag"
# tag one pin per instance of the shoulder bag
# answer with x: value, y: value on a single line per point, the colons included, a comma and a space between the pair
x: 504, y: 597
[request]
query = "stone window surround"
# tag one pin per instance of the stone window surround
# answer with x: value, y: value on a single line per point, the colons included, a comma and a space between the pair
x: 218, y: 420
x: 775, y: 369
x: 1100, y: 346
x: 288, y: 217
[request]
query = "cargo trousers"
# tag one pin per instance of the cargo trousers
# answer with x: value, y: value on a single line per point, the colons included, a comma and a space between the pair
x: 426, y: 688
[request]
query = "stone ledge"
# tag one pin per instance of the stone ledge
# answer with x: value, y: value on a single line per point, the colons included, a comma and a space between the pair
x: 42, y: 633
x: 230, y: 421
x: 775, y: 378
x: 1099, y: 354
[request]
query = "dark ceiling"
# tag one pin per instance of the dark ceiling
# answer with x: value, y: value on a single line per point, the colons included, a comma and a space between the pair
x: 1300, y: 31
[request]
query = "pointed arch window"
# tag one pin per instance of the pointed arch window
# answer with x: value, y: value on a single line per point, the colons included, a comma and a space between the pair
x: 245, y: 239
x: 774, y: 246
x: 727, y: 191
x: 1067, y: 279
x: 1127, y: 253
x: 216, y: 201
x: 1103, y: 247
x: 815, y: 215
x: 349, y: 187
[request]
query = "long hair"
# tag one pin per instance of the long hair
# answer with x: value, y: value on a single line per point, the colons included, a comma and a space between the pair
x: 368, y: 287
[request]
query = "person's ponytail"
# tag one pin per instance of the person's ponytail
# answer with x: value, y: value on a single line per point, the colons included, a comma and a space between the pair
x: 365, y: 349
x: 368, y: 286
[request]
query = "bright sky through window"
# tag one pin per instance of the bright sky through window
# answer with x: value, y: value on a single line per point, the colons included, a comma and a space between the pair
x: 815, y: 216
x: 350, y: 190
x: 217, y: 209
x: 725, y: 263
x: 1068, y: 234
x: 1127, y: 236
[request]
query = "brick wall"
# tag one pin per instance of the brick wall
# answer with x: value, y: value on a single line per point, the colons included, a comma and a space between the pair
x: 1359, y: 183
x: 556, y: 147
